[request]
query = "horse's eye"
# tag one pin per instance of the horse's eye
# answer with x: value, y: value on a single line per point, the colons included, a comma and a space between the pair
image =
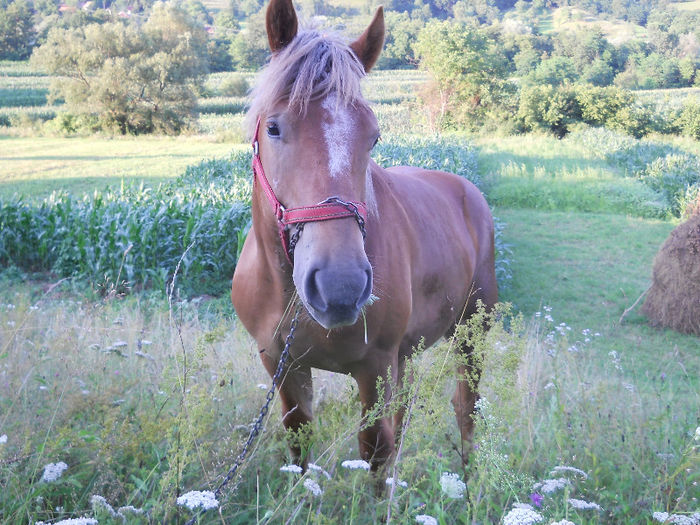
x: 273, y: 130
x: 376, y: 141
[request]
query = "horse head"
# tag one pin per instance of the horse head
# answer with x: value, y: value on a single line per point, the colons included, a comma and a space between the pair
x: 314, y: 141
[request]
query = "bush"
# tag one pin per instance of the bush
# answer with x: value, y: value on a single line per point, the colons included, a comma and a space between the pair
x: 689, y: 119
x: 236, y: 86
x: 548, y: 108
x: 672, y: 176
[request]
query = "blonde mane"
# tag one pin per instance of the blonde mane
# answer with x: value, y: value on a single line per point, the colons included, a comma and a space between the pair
x: 310, y: 67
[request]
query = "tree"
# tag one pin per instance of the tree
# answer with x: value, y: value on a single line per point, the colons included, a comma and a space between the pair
x: 469, y: 73
x: 16, y: 30
x: 129, y: 78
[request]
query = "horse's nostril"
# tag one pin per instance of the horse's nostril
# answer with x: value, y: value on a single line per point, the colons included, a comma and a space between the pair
x: 367, y: 290
x: 312, y: 291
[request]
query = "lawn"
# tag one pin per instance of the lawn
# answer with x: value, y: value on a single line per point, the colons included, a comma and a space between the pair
x: 39, y: 165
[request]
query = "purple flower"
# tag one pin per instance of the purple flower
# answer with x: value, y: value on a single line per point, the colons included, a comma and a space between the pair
x: 536, y: 499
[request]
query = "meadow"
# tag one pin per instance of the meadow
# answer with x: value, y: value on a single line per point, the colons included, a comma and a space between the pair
x: 138, y: 394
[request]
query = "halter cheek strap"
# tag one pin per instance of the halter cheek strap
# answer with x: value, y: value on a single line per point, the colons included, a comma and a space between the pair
x: 329, y: 209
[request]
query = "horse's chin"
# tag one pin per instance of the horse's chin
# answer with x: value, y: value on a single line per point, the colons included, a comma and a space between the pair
x: 337, y: 317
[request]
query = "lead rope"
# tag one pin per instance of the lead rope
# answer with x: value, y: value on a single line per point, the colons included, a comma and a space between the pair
x: 257, y: 426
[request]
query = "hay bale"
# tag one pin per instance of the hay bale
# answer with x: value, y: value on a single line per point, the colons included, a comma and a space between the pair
x: 674, y: 297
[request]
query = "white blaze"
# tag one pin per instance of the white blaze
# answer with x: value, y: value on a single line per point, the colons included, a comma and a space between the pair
x: 337, y: 132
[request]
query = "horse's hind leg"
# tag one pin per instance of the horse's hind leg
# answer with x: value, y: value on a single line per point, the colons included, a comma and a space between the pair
x: 469, y: 370
x: 296, y: 394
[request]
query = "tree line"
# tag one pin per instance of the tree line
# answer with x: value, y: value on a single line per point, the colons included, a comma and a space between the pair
x: 135, y: 66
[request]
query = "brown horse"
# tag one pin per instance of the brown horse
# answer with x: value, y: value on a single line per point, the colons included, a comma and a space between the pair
x: 428, y: 255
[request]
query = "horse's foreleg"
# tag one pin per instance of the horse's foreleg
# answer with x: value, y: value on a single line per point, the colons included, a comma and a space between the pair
x: 376, y: 438
x: 296, y: 394
x: 464, y: 401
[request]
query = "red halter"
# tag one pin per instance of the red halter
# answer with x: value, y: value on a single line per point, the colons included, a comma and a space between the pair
x: 331, y: 208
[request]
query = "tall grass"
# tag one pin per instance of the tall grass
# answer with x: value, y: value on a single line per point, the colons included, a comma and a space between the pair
x: 144, y: 404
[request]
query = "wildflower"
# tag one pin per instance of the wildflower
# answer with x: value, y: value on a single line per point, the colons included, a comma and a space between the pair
x: 316, y: 468
x: 313, y: 487
x: 426, y: 520
x: 99, y: 503
x: 697, y: 434
x: 583, y: 505
x: 294, y: 469
x: 128, y: 509
x: 262, y: 386
x: 523, y: 506
x: 354, y: 464
x: 71, y: 521
x: 536, y: 499
x: 562, y: 522
x: 53, y: 471
x: 564, y: 468
x: 677, y: 519
x: 551, y: 485
x: 400, y: 483
x: 452, y: 485
x: 195, y: 498
x: 519, y: 516
x: 3, y: 438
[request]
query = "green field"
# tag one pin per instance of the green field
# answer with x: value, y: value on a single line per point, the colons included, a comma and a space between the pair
x: 38, y: 166
x: 145, y: 399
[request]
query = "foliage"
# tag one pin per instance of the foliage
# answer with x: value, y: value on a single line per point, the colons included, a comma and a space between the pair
x: 136, y: 237
x: 689, y: 119
x: 469, y: 72
x: 16, y: 30
x: 129, y: 78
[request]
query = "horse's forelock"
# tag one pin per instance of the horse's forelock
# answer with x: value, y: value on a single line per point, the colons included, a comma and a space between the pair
x: 310, y: 67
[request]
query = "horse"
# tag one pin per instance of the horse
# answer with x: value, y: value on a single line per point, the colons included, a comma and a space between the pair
x: 411, y: 250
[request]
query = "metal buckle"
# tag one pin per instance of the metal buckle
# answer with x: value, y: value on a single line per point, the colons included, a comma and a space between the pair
x: 256, y: 148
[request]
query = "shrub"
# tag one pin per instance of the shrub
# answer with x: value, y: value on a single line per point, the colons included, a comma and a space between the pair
x: 689, y: 119
x: 548, y: 108
x: 672, y: 176
x: 236, y: 86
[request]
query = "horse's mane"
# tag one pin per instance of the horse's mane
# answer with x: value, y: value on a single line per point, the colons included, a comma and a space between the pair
x: 311, y: 66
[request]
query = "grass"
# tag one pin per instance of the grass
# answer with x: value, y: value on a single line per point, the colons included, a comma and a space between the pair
x: 39, y: 165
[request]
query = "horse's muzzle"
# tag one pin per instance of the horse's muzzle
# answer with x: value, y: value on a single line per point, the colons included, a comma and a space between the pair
x: 335, y: 296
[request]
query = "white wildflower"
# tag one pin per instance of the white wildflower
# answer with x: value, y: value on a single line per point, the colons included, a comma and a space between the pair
x: 3, y: 438
x: 314, y: 467
x: 53, y: 471
x: 549, y: 385
x: 71, y: 521
x: 583, y: 505
x: 562, y: 522
x: 565, y: 468
x: 100, y: 503
x: 294, y: 469
x: 452, y: 485
x: 548, y: 486
x: 262, y: 386
x: 522, y: 517
x: 354, y: 464
x: 128, y: 509
x: 400, y: 483
x: 677, y: 519
x: 697, y: 434
x: 426, y: 520
x: 195, y: 498
x: 313, y: 487
x: 628, y: 386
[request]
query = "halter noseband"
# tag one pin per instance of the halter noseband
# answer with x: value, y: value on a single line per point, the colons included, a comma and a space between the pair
x: 329, y: 209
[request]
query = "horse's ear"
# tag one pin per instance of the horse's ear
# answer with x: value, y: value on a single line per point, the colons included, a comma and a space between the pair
x: 369, y: 46
x: 281, y: 22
